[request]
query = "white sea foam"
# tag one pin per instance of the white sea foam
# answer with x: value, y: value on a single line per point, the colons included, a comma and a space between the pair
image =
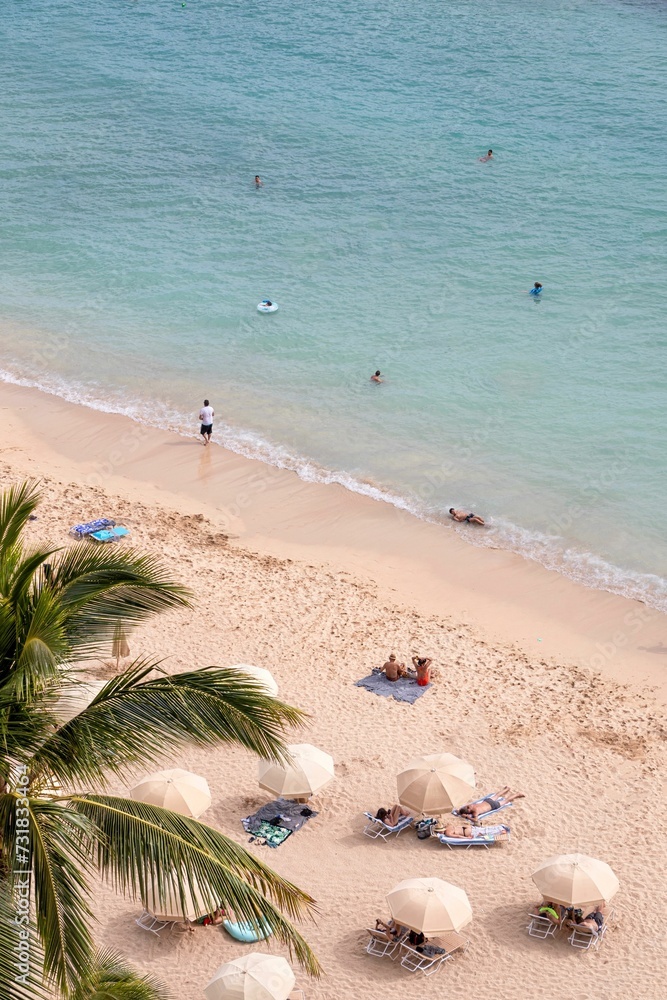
x: 551, y: 551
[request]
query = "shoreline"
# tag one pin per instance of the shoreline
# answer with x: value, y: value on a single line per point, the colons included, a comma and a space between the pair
x: 509, y: 599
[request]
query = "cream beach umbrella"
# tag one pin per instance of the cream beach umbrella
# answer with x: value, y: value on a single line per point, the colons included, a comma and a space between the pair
x: 435, y: 783
x: 171, y: 908
x: 308, y: 771
x: 181, y: 791
x: 75, y: 698
x: 576, y: 880
x: 255, y: 976
x: 429, y: 905
x: 265, y: 677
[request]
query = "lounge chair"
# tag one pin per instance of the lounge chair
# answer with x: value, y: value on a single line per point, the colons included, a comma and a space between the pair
x: 419, y: 961
x: 483, y: 837
x: 149, y: 922
x: 541, y: 927
x: 378, y: 828
x: 383, y: 946
x: 109, y: 534
x: 81, y: 530
x: 583, y: 938
x: 492, y: 812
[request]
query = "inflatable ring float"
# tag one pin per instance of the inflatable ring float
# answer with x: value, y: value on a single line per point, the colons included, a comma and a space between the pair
x: 267, y: 306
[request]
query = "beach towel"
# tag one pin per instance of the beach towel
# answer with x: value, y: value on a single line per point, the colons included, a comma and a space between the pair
x: 272, y: 836
x: 281, y: 815
x: 81, y: 530
x: 404, y: 689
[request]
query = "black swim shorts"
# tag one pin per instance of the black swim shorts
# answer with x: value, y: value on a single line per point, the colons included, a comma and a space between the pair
x: 206, y: 429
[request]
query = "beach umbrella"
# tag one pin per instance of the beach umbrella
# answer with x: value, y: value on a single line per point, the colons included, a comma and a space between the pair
x: 576, y: 880
x: 75, y: 698
x: 171, y: 908
x: 435, y: 783
x: 181, y: 791
x: 429, y: 905
x: 305, y: 774
x: 120, y: 649
x: 255, y: 976
x: 265, y: 677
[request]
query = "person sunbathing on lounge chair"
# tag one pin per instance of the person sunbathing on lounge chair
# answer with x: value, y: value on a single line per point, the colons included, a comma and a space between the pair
x: 392, y: 816
x: 553, y: 912
x: 593, y: 922
x: 390, y: 928
x: 489, y: 804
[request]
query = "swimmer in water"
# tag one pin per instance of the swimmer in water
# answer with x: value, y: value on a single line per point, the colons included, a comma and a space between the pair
x: 536, y: 289
x: 377, y: 377
x: 460, y: 515
x: 485, y: 159
x: 267, y: 302
x: 258, y: 181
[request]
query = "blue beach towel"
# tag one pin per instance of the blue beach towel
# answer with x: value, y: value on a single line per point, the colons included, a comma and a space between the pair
x: 404, y: 689
x: 81, y: 530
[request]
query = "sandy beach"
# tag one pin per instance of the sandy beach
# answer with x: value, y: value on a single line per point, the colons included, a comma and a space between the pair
x: 542, y: 684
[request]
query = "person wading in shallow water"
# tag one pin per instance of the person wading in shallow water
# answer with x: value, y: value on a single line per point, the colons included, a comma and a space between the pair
x: 206, y: 415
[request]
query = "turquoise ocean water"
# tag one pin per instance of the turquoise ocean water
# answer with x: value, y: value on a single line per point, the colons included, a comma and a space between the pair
x: 135, y: 247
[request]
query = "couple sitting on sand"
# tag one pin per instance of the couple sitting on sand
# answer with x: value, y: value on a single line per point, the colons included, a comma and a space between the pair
x: 421, y: 669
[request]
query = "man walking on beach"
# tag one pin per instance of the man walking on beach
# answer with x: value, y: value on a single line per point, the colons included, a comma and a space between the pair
x: 206, y: 415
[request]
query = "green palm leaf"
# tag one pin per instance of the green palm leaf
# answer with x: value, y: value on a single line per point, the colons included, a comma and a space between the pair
x: 156, y: 854
x: 15, y: 931
x: 16, y: 505
x: 111, y: 979
x: 134, y: 720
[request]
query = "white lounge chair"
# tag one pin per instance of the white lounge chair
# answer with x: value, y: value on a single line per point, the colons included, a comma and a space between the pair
x: 583, y: 938
x: 541, y: 927
x: 378, y: 828
x: 149, y: 922
x: 482, y: 838
x: 381, y: 945
x: 416, y: 961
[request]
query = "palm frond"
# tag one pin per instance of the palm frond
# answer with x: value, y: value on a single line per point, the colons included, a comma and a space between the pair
x: 16, y: 505
x: 20, y: 952
x: 134, y: 720
x: 111, y: 979
x: 159, y: 855
x: 60, y: 865
x: 100, y: 588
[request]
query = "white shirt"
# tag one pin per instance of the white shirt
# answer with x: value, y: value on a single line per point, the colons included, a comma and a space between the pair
x: 206, y: 415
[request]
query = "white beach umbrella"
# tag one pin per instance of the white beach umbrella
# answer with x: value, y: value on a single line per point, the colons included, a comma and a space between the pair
x: 435, y: 783
x: 576, y: 880
x: 265, y: 677
x: 181, y: 791
x: 172, y: 909
x: 308, y: 771
x: 255, y: 976
x: 75, y: 698
x: 429, y: 905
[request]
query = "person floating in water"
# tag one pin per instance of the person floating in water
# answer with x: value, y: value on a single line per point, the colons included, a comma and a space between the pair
x: 460, y: 515
x: 487, y: 157
x: 258, y: 181
x: 377, y: 377
x: 536, y: 289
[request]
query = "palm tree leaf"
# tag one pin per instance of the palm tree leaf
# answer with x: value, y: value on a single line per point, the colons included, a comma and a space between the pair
x: 16, y: 505
x: 98, y: 588
x: 19, y: 979
x: 134, y: 720
x: 157, y: 854
x: 111, y: 979
x: 60, y: 864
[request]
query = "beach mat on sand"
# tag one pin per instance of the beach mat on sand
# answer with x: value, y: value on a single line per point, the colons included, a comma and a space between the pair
x: 278, y: 819
x: 404, y: 689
